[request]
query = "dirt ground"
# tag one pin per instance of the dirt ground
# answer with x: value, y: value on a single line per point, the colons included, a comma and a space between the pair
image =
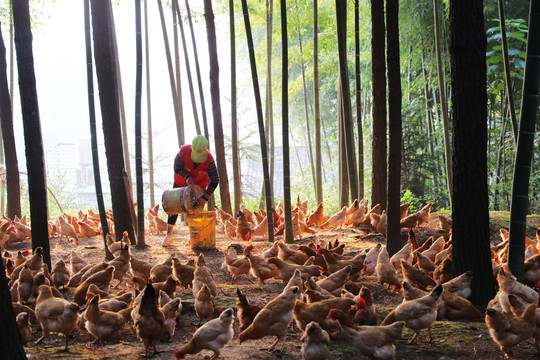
x: 451, y: 340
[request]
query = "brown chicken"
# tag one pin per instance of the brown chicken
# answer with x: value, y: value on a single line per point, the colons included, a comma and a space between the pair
x: 140, y: 267
x: 417, y: 314
x: 222, y: 215
x: 317, y: 217
x: 55, y: 315
x: 60, y: 274
x: 288, y: 254
x: 201, y: 276
x: 273, y: 319
x: 443, y: 255
x: 532, y: 270
x: 509, y: 285
x: 374, y: 342
x: 272, y: 251
x: 434, y: 249
x: 66, y: 229
x: 445, y: 223
x: 334, y: 282
x: 366, y: 312
x: 403, y: 210
x: 102, y: 279
x: 315, y: 343
x: 238, y: 266
x: 77, y: 263
x: 404, y: 253
x: 246, y: 311
x: 443, y: 272
x: 386, y: 273
x: 517, y: 310
x: 213, y: 335
x: 121, y: 264
x: 87, y: 230
x: 261, y: 229
x: 338, y: 219
x: 149, y: 320
x: 168, y: 286
x: 416, y: 277
x: 261, y: 269
x: 460, y: 285
x: 286, y: 269
x: 374, y: 210
x: 100, y: 323
x: 171, y: 311
x: 243, y: 227
x: 183, y: 272
x: 318, y: 312
x: 425, y: 263
x: 334, y: 264
x: 25, y: 284
x: 508, y: 330
x: 25, y: 329
x: 205, y: 305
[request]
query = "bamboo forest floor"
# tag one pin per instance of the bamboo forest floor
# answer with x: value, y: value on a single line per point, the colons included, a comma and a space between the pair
x: 451, y: 340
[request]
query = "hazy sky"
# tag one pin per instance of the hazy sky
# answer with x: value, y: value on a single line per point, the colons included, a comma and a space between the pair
x: 60, y: 67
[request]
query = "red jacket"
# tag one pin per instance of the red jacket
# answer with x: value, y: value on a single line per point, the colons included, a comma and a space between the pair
x: 198, y: 175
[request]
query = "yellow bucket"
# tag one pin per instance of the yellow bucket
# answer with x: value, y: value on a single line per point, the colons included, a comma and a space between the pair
x: 202, y: 230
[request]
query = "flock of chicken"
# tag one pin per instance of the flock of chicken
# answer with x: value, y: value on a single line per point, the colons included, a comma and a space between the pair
x: 324, y: 292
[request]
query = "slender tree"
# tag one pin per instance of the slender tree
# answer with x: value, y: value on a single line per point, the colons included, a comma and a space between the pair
x: 525, y: 145
x: 258, y: 104
x: 120, y: 92
x: 289, y: 237
x: 105, y: 70
x: 188, y: 71
x: 234, y: 119
x: 507, y: 75
x: 10, y: 340
x: 341, y: 18
x: 177, y: 73
x: 317, y: 111
x: 35, y: 159
x: 470, y: 225
x: 216, y: 108
x: 150, y: 144
x: 393, y: 239
x: 305, y: 96
x: 138, y: 126
x: 358, y: 100
x: 444, y: 110
x: 171, y: 74
x: 8, y: 137
x: 93, y: 131
x: 198, y: 72
x: 378, y: 183
x: 269, y: 101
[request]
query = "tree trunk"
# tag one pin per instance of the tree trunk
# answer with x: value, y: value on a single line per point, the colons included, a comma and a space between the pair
x: 444, y: 111
x: 177, y: 74
x: 393, y: 238
x: 269, y: 100
x: 10, y: 339
x: 234, y: 121
x: 507, y: 74
x: 188, y: 71
x: 378, y: 183
x: 500, y: 151
x: 358, y: 101
x: 138, y: 127
x: 35, y: 159
x: 470, y: 215
x: 111, y: 119
x: 525, y: 145
x: 341, y: 19
x: 258, y: 104
x: 343, y: 175
x: 149, y: 110
x: 289, y: 237
x: 318, y: 153
x: 198, y: 71
x: 8, y: 137
x: 93, y: 131
x: 172, y: 81
x: 306, y: 111
x: 127, y: 160
x: 216, y: 108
